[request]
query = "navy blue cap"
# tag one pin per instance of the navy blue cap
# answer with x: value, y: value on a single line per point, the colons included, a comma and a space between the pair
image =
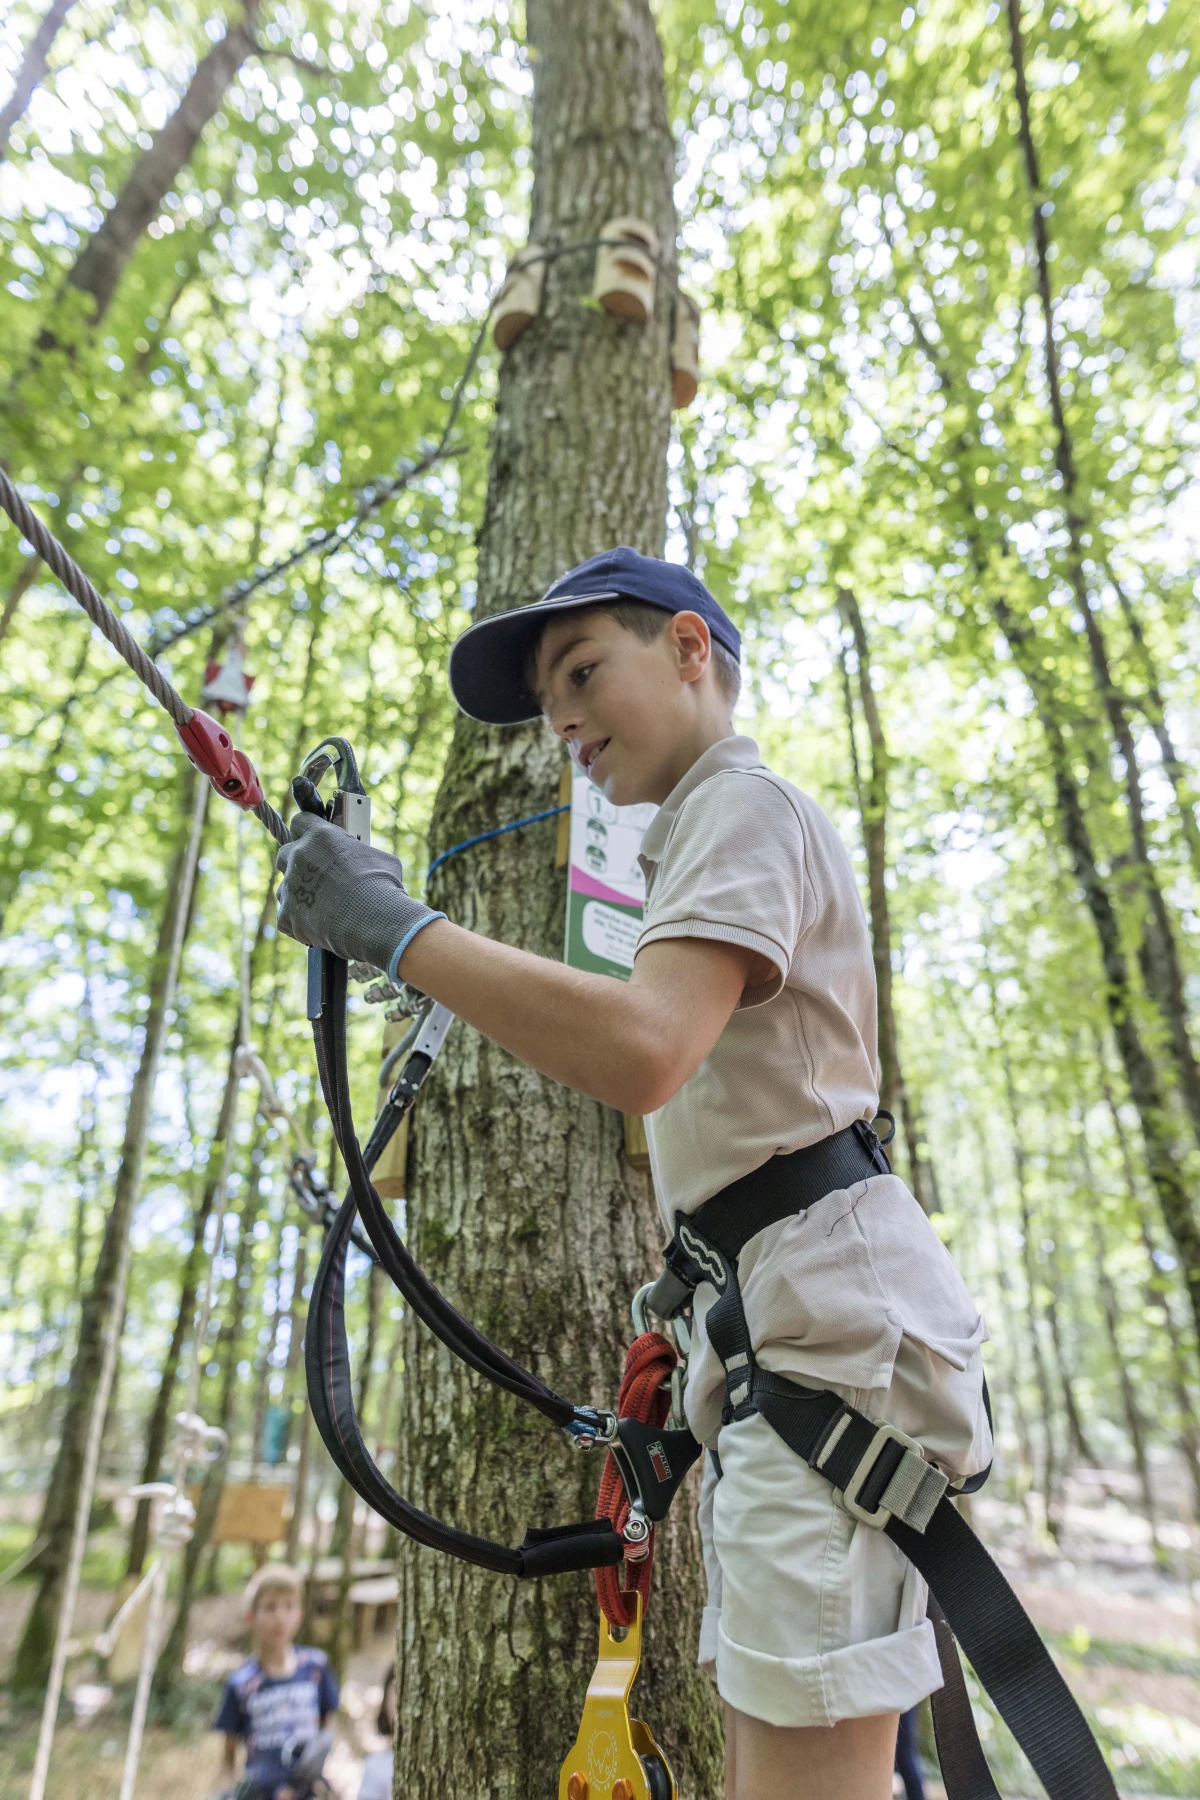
x: 487, y: 664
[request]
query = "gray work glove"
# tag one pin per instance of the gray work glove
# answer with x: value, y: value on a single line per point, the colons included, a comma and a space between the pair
x: 346, y: 897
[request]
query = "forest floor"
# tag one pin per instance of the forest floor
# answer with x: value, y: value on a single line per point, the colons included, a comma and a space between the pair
x: 1123, y: 1625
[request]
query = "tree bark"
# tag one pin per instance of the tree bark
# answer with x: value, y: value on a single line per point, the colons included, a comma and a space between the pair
x: 32, y: 71
x: 103, y: 260
x: 521, y: 1203
x: 105, y: 1297
x: 894, y: 1096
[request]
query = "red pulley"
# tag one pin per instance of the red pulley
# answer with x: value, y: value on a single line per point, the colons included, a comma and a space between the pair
x: 210, y: 749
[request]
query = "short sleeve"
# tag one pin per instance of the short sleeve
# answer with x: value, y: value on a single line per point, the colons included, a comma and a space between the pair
x: 231, y: 1714
x: 327, y: 1691
x: 733, y: 871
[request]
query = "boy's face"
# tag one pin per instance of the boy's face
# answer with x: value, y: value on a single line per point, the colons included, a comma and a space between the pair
x: 622, y: 707
x: 276, y: 1618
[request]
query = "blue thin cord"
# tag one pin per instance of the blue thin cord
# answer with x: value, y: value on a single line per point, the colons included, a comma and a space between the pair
x: 498, y: 831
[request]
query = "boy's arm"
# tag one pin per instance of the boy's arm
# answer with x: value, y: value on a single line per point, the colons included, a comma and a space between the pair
x: 229, y: 1754
x: 631, y: 1044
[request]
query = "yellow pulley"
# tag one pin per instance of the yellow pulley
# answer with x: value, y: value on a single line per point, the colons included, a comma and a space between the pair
x: 614, y: 1756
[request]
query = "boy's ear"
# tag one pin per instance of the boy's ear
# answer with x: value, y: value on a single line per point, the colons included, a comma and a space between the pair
x: 692, y: 643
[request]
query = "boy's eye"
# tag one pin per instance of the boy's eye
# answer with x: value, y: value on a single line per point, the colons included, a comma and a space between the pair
x: 580, y: 674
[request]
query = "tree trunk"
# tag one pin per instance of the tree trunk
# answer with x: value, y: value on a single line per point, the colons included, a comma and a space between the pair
x: 228, y: 1350
x: 342, y: 1542
x: 1050, y: 1458
x: 1159, y: 1296
x: 26, y: 577
x: 894, y: 1096
x: 158, y: 1425
x: 1134, y: 1421
x: 521, y: 1203
x: 1163, y: 1158
x: 1154, y: 705
x: 104, y: 1302
x: 290, y: 1374
x: 1161, y: 967
x: 32, y: 71
x: 103, y: 260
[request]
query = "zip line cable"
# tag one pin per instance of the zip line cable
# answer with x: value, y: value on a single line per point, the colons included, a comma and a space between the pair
x: 63, y: 564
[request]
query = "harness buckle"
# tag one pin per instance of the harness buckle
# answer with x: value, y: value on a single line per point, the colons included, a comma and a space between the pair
x: 914, y: 1487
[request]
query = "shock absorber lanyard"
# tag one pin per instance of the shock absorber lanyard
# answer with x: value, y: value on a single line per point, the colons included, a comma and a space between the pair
x: 591, y: 1543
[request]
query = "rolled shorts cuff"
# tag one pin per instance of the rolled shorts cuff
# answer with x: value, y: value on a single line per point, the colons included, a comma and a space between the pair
x: 883, y: 1675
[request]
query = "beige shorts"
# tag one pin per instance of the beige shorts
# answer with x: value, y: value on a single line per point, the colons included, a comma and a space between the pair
x: 812, y: 1616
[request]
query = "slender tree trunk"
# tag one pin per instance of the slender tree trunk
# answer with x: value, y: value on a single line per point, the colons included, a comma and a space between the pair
x: 1051, y: 1465
x: 228, y: 1351
x: 103, y: 260
x: 105, y: 1297
x: 267, y: 1340
x: 1135, y: 1423
x: 32, y: 71
x: 342, y: 1542
x: 26, y: 577
x: 1014, y: 1335
x: 158, y: 1426
x: 1163, y: 1159
x: 894, y: 1095
x: 1057, y: 1289
x: 1161, y: 967
x: 521, y: 1203
x: 1153, y: 704
x: 1159, y: 1296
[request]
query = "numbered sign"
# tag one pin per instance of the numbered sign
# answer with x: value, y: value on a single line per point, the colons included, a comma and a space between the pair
x: 606, y: 891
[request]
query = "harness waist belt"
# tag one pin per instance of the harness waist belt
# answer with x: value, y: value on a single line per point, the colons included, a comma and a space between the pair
x: 782, y: 1186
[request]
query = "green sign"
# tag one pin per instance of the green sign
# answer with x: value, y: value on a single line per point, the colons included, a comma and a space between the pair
x: 606, y: 890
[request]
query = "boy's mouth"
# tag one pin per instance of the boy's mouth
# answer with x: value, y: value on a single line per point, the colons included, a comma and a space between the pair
x: 590, y: 753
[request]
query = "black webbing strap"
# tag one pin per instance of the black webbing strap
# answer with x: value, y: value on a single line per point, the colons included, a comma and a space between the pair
x: 877, y: 1471
x: 588, y: 1544
x: 788, y: 1184
x: 960, y: 1754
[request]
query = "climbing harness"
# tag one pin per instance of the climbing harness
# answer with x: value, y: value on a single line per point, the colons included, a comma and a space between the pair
x: 884, y: 1481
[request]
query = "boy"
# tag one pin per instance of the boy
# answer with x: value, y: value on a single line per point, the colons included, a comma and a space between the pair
x: 747, y: 1033
x: 281, y: 1696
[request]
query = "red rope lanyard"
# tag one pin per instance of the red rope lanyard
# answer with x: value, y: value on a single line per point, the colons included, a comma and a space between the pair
x: 645, y: 1396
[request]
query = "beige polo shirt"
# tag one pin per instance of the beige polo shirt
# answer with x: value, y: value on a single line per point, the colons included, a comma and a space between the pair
x: 739, y: 855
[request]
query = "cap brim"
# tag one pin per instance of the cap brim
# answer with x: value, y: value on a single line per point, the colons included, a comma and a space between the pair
x: 487, y: 663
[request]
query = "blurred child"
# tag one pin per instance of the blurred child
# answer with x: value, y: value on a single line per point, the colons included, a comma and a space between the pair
x: 377, y: 1770
x: 281, y: 1696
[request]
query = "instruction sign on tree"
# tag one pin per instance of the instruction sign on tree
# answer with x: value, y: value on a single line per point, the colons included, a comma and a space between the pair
x: 606, y: 890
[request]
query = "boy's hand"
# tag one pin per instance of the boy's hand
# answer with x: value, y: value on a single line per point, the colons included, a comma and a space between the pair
x: 344, y: 896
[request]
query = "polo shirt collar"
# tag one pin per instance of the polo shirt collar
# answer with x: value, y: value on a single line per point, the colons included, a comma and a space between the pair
x: 728, y: 753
